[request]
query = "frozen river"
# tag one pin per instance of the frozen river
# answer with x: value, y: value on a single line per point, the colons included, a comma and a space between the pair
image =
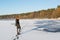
x: 32, y: 29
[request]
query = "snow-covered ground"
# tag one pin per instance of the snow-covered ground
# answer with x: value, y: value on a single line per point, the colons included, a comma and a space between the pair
x: 32, y: 29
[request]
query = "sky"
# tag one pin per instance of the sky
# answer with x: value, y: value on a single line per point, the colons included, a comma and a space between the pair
x: 22, y: 6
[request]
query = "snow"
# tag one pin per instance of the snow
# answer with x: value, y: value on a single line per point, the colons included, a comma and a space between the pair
x: 32, y: 29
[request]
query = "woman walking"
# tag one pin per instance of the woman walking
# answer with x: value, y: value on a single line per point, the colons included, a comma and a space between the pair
x: 18, y: 25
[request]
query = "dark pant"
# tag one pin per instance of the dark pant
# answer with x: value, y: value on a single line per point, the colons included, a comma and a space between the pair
x: 18, y: 29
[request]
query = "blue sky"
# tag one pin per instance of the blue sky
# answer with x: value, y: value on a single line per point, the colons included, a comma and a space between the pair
x: 22, y: 6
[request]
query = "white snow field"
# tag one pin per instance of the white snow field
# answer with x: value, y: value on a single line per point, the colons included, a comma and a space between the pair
x: 32, y: 29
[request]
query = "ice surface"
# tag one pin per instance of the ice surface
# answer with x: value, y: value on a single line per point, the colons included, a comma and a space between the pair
x: 32, y: 29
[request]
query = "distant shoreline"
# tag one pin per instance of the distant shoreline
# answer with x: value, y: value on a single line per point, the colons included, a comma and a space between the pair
x: 53, y: 13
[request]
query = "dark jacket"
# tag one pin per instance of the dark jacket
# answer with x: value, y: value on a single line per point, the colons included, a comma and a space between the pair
x: 17, y: 23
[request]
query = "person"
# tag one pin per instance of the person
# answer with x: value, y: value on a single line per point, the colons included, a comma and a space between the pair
x: 18, y: 25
